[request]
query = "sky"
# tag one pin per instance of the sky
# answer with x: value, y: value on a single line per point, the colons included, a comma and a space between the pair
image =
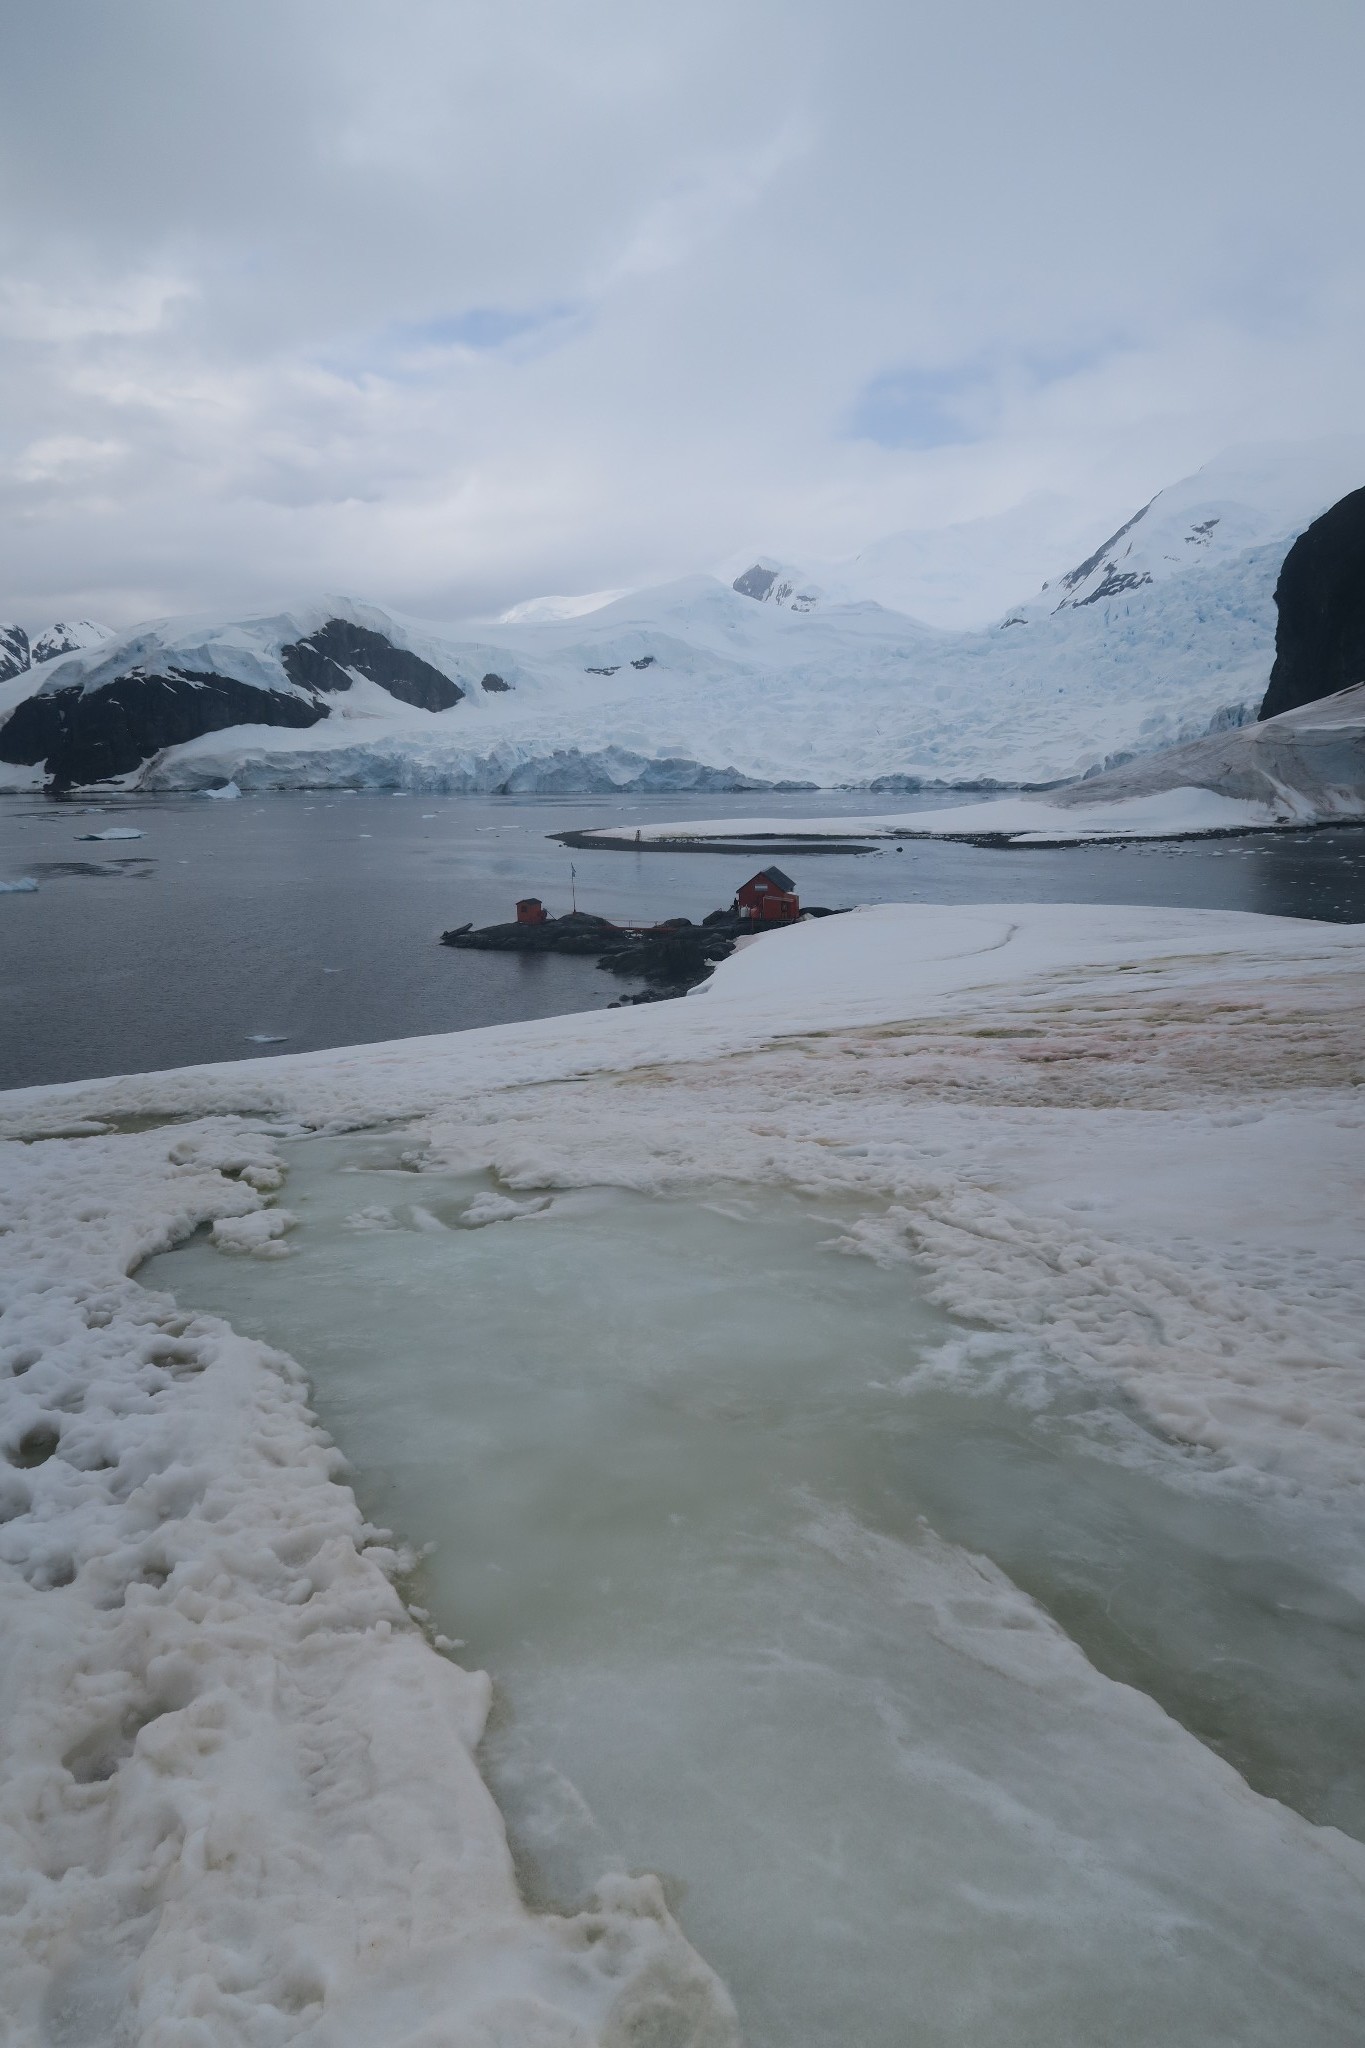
x: 450, y: 304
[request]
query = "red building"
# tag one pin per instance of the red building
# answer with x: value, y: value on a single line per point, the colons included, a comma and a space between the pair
x: 530, y: 910
x: 769, y: 897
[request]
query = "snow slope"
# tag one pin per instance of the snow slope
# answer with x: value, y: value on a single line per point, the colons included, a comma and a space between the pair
x: 237, y: 1797
x: 1164, y: 633
x: 1249, y: 498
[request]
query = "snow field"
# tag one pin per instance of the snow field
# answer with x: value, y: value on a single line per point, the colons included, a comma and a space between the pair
x: 1127, y: 1139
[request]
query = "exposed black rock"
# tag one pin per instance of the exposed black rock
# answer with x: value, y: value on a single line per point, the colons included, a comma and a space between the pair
x: 770, y: 585
x: 493, y: 683
x: 1075, y: 577
x: 320, y: 663
x: 601, y: 671
x: 14, y: 652
x: 756, y: 582
x: 1115, y: 582
x: 672, y: 957
x: 1320, y: 634
x: 88, y: 737
x: 579, y: 932
x: 645, y: 661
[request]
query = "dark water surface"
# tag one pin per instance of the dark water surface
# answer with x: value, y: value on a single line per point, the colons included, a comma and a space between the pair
x: 283, y: 923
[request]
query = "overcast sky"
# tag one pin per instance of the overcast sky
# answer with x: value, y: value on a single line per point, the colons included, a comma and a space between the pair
x: 449, y: 304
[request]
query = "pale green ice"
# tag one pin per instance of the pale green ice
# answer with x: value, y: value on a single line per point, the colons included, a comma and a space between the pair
x: 813, y: 1601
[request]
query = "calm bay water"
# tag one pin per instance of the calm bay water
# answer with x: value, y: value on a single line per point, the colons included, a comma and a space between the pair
x: 284, y: 923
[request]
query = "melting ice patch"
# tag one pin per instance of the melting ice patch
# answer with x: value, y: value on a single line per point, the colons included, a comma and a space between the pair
x: 813, y: 1600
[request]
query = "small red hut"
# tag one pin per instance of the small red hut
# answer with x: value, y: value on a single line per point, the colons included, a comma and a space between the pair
x: 769, y: 897
x: 530, y: 910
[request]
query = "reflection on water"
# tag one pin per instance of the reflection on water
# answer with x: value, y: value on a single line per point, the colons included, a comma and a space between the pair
x: 315, y: 916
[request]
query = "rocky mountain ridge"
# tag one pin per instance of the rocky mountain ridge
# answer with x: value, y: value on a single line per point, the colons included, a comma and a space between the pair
x: 19, y: 654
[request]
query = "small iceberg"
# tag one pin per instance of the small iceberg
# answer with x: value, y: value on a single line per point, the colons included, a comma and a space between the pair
x: 225, y: 791
x: 112, y: 832
x: 266, y: 1037
x: 24, y: 886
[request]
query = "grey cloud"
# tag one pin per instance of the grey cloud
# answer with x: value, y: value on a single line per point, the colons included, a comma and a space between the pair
x: 451, y: 303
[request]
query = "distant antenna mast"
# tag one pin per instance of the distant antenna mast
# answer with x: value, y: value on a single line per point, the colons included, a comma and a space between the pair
x: 573, y: 890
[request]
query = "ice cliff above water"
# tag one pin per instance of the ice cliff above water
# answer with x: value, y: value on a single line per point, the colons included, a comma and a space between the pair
x: 1164, y: 633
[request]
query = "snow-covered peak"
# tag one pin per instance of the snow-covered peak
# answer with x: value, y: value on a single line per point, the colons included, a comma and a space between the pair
x: 19, y: 653
x: 67, y: 637
x: 769, y: 582
x: 1247, y: 498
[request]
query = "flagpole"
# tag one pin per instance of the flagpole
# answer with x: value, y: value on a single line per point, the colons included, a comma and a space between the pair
x: 573, y: 886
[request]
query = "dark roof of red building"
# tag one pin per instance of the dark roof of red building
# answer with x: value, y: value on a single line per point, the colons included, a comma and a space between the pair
x: 776, y: 877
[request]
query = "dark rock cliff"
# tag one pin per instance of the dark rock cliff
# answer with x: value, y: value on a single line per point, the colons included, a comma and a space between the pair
x: 1320, y: 636
x: 88, y: 737
x: 320, y: 663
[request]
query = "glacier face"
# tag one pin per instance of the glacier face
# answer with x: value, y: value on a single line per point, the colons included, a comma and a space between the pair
x: 696, y: 686
x: 1165, y: 632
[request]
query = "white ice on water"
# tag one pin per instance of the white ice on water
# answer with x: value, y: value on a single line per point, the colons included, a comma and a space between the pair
x: 1121, y: 1146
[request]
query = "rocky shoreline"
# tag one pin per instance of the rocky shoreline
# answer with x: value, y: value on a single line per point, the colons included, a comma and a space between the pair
x: 670, y: 958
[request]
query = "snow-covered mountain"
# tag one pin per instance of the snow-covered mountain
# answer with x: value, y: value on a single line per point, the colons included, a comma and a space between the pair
x: 1249, y: 498
x: 962, y: 575
x: 19, y: 653
x: 705, y: 685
